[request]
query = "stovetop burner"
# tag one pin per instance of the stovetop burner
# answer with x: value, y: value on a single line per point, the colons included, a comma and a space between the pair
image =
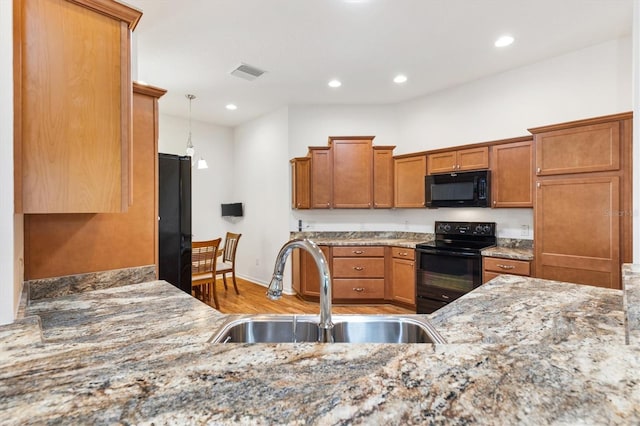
x: 462, y: 236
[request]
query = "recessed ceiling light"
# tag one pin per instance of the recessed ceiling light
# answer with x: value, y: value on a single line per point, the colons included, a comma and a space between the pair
x: 231, y: 107
x: 335, y: 83
x: 503, y: 41
x: 400, y: 78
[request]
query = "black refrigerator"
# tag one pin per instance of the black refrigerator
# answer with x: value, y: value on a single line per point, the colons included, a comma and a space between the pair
x: 174, y: 220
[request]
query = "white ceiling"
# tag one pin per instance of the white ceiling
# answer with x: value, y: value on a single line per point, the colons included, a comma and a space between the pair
x: 190, y: 46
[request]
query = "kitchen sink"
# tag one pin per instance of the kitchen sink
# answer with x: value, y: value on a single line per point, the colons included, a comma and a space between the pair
x: 346, y: 329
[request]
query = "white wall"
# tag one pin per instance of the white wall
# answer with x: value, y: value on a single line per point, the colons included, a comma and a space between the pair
x: 212, y: 186
x: 10, y: 241
x: 585, y: 83
x: 261, y: 176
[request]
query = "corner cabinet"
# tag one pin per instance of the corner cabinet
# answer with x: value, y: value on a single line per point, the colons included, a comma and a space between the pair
x: 72, y: 97
x: 300, y: 183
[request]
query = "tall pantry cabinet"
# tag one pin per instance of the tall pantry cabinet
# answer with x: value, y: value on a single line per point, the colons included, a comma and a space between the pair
x: 583, y: 206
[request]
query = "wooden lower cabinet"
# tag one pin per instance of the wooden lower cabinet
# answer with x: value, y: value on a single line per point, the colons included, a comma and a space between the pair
x: 359, y: 274
x: 495, y: 266
x: 402, y: 285
x: 306, y: 277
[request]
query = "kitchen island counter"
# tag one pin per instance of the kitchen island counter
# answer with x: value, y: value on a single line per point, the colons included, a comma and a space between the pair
x: 139, y: 354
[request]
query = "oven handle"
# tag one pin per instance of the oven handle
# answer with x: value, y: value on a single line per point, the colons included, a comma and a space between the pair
x: 450, y: 253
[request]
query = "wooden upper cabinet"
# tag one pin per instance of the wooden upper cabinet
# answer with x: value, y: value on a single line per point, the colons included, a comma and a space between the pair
x: 409, y: 174
x: 301, y: 183
x: 579, y: 149
x: 458, y: 160
x: 352, y: 171
x: 321, y: 177
x: 383, y: 176
x: 72, y: 105
x: 512, y: 174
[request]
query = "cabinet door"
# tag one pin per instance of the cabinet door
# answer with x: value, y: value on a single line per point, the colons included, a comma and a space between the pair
x: 473, y: 158
x: 73, y: 113
x: 306, y: 277
x: 577, y: 230
x: 321, y: 177
x: 409, y: 181
x: 581, y: 149
x: 352, y: 173
x: 403, y: 286
x: 512, y: 175
x: 301, y: 184
x: 441, y: 162
x: 382, y: 177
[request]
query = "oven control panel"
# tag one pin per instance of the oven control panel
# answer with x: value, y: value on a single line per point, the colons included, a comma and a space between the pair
x: 466, y: 228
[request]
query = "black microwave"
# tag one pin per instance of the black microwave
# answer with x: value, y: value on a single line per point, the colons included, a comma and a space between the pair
x: 466, y: 189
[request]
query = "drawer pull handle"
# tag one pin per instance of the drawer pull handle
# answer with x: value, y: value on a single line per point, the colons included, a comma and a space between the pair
x: 359, y: 268
x: 404, y: 253
x: 445, y: 297
x: 358, y: 289
x: 358, y: 251
x: 506, y: 266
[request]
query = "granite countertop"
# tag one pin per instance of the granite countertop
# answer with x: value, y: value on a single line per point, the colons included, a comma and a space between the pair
x: 520, y: 351
x: 517, y: 253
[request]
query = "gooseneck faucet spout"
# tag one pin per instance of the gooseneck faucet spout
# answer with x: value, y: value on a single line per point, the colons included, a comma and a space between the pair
x: 274, y: 292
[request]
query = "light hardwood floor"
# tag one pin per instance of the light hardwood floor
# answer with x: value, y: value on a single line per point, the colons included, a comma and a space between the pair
x: 252, y: 300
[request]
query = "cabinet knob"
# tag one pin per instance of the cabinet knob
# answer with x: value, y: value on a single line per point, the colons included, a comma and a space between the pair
x: 538, y: 170
x: 327, y: 204
x: 538, y: 184
x: 359, y: 268
x: 358, y: 289
x: 494, y: 202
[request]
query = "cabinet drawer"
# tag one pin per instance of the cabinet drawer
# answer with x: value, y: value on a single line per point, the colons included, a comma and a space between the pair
x: 507, y: 266
x: 358, y: 289
x: 366, y: 267
x: 402, y: 253
x: 358, y: 251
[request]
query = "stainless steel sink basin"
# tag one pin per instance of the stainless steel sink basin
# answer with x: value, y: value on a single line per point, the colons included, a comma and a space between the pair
x: 347, y: 329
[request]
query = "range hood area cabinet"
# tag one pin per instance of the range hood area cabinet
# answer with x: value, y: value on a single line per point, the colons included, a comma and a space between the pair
x: 447, y: 161
x: 72, y: 94
x: 583, y: 203
x: 348, y: 173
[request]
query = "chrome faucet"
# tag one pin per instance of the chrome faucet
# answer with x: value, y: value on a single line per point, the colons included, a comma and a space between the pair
x: 274, y: 292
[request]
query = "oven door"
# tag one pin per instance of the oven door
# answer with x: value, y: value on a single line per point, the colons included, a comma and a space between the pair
x: 443, y: 276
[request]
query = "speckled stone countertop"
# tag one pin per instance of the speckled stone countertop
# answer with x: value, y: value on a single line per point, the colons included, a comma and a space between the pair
x: 509, y: 253
x: 368, y: 238
x: 138, y: 355
x: 631, y: 283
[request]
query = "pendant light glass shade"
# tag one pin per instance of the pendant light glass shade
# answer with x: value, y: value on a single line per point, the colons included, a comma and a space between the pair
x: 202, y: 164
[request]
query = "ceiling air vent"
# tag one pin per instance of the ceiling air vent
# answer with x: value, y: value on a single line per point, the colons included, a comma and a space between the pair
x: 247, y: 72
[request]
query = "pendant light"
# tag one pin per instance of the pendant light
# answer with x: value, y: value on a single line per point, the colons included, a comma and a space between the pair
x: 202, y: 163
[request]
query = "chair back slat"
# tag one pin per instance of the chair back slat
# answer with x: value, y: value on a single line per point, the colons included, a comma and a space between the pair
x: 230, y: 245
x: 203, y: 256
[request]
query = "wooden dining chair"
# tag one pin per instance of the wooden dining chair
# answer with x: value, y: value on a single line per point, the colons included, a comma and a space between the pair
x: 203, y: 270
x: 228, y: 263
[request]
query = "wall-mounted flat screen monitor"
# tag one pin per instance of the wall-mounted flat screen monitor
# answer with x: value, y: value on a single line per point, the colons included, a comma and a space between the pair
x: 233, y: 209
